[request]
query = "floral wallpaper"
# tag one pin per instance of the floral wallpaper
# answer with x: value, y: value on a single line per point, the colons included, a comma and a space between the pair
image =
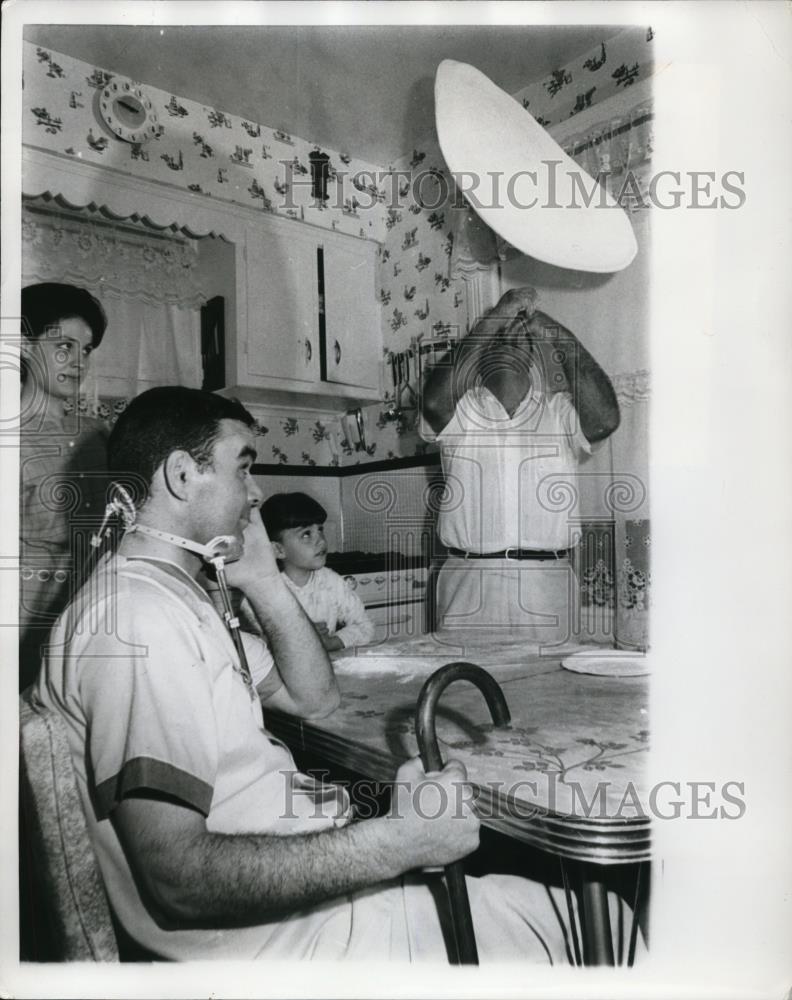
x: 614, y: 64
x: 197, y: 148
x: 284, y: 436
x: 419, y: 297
x: 218, y: 155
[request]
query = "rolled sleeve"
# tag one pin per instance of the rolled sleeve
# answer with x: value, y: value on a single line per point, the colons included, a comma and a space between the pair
x: 263, y: 671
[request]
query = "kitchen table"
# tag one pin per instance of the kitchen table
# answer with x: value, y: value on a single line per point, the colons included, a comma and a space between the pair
x: 568, y: 775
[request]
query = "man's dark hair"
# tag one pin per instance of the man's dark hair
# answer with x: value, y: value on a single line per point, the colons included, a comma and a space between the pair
x: 45, y: 306
x: 166, y: 419
x: 290, y: 510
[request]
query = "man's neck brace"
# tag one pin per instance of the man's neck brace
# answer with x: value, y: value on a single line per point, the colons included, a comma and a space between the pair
x: 220, y: 550
x: 227, y: 548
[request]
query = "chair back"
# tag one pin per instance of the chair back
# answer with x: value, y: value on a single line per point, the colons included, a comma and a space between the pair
x: 57, y: 855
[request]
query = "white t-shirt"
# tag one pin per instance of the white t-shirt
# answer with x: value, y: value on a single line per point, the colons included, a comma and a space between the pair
x: 509, y: 479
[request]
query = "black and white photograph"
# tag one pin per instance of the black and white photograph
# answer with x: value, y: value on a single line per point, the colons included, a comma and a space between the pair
x: 395, y: 514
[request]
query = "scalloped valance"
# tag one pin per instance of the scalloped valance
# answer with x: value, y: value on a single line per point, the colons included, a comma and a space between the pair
x: 123, y: 263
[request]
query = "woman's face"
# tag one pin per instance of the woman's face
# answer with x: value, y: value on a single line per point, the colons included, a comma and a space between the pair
x: 57, y: 362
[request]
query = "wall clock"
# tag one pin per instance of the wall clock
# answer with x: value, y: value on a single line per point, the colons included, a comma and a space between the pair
x: 127, y: 111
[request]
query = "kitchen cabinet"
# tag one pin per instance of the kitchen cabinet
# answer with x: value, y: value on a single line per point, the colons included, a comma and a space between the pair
x: 352, y: 315
x: 290, y: 338
x: 282, y: 294
x: 268, y: 274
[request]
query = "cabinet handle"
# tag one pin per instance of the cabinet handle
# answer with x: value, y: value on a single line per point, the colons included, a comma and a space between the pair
x: 337, y: 350
x: 308, y: 351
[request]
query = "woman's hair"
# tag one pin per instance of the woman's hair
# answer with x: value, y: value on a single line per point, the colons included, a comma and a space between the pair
x: 44, y: 306
x: 290, y: 510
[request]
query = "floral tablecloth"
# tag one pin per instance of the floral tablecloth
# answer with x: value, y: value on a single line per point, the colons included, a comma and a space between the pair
x: 568, y: 773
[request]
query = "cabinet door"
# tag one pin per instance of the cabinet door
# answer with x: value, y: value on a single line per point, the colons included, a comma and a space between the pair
x: 283, y: 307
x: 353, y: 336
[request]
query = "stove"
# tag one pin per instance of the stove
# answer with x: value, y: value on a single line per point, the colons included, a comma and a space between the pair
x: 391, y: 586
x: 380, y: 578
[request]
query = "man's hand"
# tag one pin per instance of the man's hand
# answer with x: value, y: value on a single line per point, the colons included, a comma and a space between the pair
x: 516, y: 301
x: 258, y: 560
x: 310, y: 686
x: 508, y: 331
x: 435, y: 812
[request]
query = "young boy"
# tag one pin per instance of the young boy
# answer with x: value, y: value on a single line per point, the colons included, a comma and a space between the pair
x: 294, y: 523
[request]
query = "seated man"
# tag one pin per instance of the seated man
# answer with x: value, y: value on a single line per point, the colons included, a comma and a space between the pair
x: 210, y: 842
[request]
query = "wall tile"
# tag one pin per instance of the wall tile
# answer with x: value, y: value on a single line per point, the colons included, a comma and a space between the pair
x: 391, y: 510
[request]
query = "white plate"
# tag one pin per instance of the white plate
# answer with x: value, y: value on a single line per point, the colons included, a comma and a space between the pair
x: 607, y: 663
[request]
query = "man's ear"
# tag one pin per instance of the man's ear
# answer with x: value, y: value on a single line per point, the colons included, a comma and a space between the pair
x: 178, y: 471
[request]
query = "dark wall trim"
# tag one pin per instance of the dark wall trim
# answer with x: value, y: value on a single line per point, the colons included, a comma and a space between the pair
x: 340, y: 471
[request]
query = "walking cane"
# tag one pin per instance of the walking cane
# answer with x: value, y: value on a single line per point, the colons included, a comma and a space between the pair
x: 465, y: 951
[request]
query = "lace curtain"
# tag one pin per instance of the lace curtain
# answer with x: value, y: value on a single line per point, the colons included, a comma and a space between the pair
x: 149, y: 287
x: 619, y: 153
x: 153, y: 269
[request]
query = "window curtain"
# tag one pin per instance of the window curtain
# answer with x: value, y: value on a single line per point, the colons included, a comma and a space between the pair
x: 148, y: 286
x: 618, y: 151
x: 629, y: 452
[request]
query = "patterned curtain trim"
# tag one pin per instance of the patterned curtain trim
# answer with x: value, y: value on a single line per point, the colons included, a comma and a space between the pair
x: 124, y: 264
x: 596, y: 586
x: 107, y: 408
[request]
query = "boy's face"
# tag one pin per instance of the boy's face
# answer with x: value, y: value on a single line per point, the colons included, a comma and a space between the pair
x: 304, y: 548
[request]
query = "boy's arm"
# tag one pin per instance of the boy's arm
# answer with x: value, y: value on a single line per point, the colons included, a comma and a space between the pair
x: 358, y: 628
